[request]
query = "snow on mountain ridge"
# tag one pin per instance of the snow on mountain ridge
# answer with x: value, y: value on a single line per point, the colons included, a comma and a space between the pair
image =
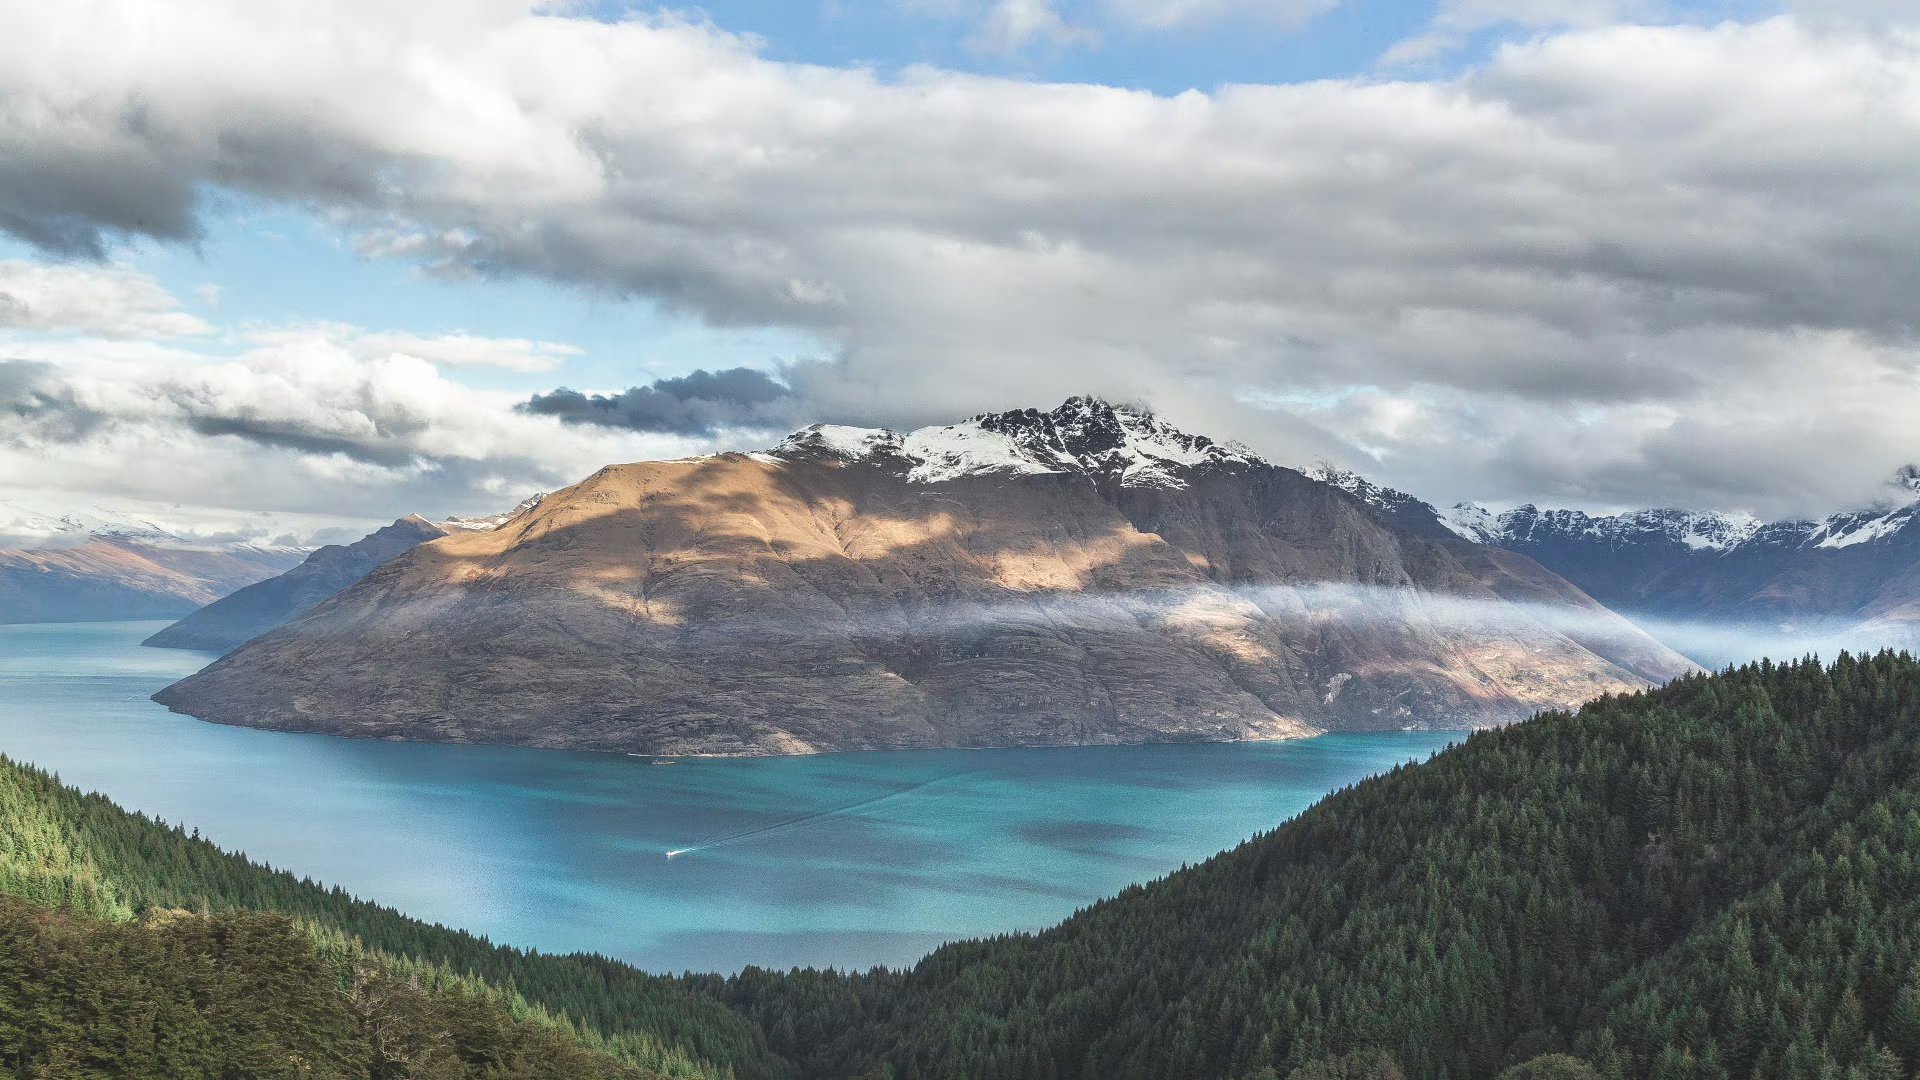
x: 1704, y: 531
x: 1129, y: 446
x: 1712, y: 532
x: 1470, y: 522
x: 491, y: 521
x: 1698, y: 531
x: 1374, y: 495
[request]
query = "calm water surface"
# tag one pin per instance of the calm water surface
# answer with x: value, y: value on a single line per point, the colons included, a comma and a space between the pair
x: 845, y: 860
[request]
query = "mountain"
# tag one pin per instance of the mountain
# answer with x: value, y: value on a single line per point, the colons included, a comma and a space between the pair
x: 1726, y: 587
x: 103, y: 565
x: 263, y: 605
x: 1716, y: 881
x: 1084, y: 575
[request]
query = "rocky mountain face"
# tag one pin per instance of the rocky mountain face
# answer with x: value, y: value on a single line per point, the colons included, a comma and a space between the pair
x: 263, y: 605
x: 102, y: 566
x: 1084, y: 575
x: 1723, y: 588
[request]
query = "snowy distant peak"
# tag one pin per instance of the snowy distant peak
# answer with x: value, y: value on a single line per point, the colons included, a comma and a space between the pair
x: 1710, y: 532
x: 1112, y: 443
x: 1695, y: 531
x: 1891, y: 514
x: 1700, y: 532
x: 21, y: 527
x: 1863, y: 526
x: 1470, y: 522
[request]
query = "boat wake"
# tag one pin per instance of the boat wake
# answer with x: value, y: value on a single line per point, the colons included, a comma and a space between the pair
x: 801, y: 821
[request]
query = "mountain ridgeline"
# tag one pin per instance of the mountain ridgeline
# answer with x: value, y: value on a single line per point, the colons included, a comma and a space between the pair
x: 82, y: 575
x: 1724, y: 588
x: 246, y: 614
x: 1717, y: 880
x: 1085, y: 575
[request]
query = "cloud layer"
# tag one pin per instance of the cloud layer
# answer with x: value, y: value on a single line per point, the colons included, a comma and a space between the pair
x: 1621, y: 264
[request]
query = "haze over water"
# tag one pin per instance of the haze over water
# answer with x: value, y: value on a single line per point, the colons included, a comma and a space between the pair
x: 846, y: 860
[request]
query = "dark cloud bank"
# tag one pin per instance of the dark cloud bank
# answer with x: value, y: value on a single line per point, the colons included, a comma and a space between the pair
x: 700, y: 403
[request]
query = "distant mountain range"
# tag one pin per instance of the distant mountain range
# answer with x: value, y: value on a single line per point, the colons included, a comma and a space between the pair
x: 1087, y: 574
x: 102, y: 565
x: 263, y: 605
x: 1722, y: 588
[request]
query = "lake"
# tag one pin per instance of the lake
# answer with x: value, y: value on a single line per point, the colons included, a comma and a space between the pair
x: 844, y: 860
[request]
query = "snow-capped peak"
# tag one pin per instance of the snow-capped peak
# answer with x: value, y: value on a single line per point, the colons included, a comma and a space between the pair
x: 1893, y: 512
x: 1470, y: 522
x: 1119, y: 444
x: 839, y: 441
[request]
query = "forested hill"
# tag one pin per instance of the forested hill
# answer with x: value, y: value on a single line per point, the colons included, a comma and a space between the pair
x: 132, y: 948
x: 237, y: 994
x: 1717, y: 879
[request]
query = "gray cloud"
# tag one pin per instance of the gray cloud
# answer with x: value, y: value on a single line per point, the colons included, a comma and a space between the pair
x: 36, y: 405
x: 380, y: 448
x: 699, y: 403
x: 1619, y: 251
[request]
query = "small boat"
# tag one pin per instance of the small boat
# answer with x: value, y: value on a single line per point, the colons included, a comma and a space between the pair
x: 663, y: 761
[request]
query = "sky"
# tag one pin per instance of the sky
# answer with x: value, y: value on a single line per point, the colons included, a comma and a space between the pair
x: 294, y: 269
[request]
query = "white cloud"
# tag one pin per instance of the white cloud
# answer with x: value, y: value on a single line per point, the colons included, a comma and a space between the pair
x: 113, y: 300
x: 1013, y: 25
x: 1619, y: 226
x: 1454, y: 20
x: 307, y: 421
x: 455, y: 349
x: 1823, y: 430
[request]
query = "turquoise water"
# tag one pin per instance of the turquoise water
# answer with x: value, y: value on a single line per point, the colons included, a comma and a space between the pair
x: 845, y: 860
